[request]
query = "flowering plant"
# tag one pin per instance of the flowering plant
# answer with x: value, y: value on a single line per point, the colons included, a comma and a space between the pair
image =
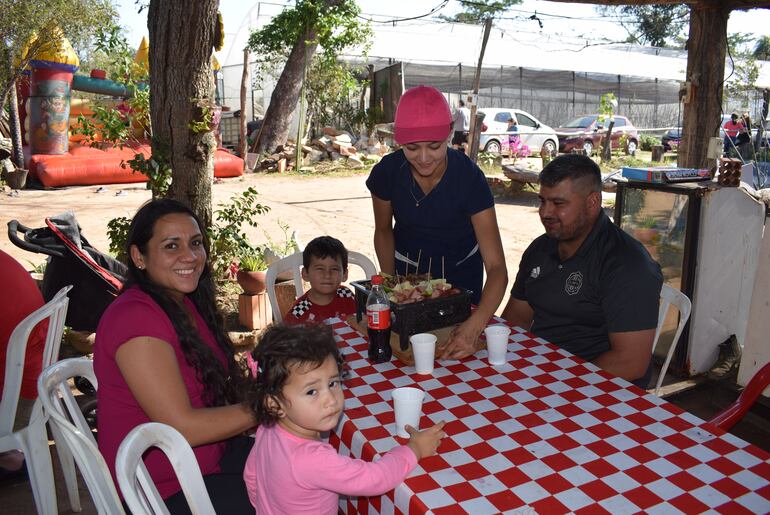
x: 518, y: 149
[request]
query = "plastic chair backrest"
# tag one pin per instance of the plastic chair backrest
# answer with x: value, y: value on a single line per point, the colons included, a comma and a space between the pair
x: 135, y: 482
x: 670, y: 296
x: 735, y: 411
x: 56, y: 312
x: 293, y: 264
x: 64, y: 414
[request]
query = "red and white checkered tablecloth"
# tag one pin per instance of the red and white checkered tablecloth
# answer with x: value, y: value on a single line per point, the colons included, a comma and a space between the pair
x: 545, y: 433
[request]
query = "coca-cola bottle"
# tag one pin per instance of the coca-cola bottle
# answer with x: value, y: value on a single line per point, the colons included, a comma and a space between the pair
x: 378, y: 322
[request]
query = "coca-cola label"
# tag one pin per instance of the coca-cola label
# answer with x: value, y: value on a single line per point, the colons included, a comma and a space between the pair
x: 378, y: 316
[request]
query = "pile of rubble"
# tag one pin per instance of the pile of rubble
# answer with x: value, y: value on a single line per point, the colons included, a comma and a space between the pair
x: 333, y: 145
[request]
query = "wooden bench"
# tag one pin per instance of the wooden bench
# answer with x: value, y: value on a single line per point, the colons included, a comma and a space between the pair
x: 524, y: 176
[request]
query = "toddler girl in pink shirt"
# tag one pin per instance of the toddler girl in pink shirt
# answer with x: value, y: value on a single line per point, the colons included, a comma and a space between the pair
x: 297, y: 395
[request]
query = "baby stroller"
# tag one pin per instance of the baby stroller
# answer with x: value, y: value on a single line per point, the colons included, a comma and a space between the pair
x: 96, y: 277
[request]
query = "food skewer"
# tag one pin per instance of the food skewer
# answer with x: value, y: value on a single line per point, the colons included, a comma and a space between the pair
x: 442, y: 268
x: 419, y: 253
x: 406, y: 265
x: 430, y: 264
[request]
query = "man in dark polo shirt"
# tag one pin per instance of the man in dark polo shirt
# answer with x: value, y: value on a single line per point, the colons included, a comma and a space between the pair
x: 586, y: 285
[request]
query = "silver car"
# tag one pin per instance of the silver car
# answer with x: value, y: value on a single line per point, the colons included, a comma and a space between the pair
x: 533, y: 133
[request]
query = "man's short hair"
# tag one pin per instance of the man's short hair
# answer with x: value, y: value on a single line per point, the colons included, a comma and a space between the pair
x: 572, y: 166
x: 323, y: 247
x: 461, y: 102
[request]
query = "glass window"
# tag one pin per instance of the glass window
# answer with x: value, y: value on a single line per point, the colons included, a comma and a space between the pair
x: 503, y: 116
x: 658, y: 220
x: 525, y: 120
x: 580, y: 123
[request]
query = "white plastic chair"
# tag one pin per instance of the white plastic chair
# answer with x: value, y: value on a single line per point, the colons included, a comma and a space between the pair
x: 669, y: 296
x: 32, y: 439
x: 72, y: 432
x: 135, y: 482
x: 293, y: 264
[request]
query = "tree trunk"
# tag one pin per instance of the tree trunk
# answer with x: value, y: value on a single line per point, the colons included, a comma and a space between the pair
x: 283, y: 101
x: 607, y: 148
x: 15, y: 126
x: 243, y: 139
x: 10, y: 82
x: 181, y: 42
x: 760, y: 137
x: 706, y: 47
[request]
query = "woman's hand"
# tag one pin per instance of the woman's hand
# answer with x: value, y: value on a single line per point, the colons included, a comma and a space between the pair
x: 463, y: 341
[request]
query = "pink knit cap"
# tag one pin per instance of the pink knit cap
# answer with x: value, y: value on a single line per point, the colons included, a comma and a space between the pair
x: 422, y: 115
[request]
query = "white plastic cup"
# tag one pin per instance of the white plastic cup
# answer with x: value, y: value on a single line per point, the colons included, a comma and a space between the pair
x: 424, y: 351
x: 497, y: 343
x: 407, y: 403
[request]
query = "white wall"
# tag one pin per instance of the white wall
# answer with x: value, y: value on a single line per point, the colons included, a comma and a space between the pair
x: 756, y: 349
x: 728, y: 254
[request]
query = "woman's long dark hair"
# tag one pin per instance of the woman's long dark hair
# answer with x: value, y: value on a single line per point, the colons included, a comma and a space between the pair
x: 220, y: 385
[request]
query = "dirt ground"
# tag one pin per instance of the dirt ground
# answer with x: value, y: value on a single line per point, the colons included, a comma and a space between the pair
x: 311, y: 206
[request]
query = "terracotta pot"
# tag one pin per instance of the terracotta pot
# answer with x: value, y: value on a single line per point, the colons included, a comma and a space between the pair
x: 16, y: 179
x: 251, y: 282
x: 645, y: 235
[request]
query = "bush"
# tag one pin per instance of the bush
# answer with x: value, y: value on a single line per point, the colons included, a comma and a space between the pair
x: 646, y: 142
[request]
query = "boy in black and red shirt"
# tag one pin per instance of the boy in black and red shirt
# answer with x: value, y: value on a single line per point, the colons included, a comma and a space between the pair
x: 325, y: 267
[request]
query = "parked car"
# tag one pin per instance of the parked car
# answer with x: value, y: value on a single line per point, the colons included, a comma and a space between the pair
x: 533, y: 133
x: 587, y: 131
x: 671, y: 139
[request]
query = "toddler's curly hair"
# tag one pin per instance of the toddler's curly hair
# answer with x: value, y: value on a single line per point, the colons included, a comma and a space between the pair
x: 280, y: 349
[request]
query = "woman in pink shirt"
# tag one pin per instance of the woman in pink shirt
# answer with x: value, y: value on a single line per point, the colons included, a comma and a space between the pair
x: 162, y: 355
x: 297, y: 395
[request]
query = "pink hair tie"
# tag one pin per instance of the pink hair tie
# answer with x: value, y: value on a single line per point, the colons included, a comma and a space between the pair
x: 253, y: 366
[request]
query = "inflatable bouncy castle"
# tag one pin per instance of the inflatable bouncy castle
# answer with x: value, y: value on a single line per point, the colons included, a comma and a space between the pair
x: 58, y: 158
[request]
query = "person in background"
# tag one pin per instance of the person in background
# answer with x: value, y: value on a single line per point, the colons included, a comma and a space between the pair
x: 444, y: 213
x: 161, y: 354
x: 743, y: 140
x: 586, y: 285
x: 732, y: 128
x: 27, y: 298
x: 325, y: 267
x: 296, y: 396
x: 513, y: 133
x: 461, y: 121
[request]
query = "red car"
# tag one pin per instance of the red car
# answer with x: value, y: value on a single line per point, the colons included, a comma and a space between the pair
x: 586, y: 132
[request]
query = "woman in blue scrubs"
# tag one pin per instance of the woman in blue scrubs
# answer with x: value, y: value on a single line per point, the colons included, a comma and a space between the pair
x: 434, y: 212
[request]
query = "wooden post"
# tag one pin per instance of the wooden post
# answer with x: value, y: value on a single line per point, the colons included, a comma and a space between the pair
x: 243, y: 136
x: 474, y: 136
x: 657, y: 153
x: 473, y: 142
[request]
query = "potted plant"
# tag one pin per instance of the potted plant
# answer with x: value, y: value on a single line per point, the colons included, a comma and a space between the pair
x: 16, y: 179
x: 252, y: 269
x: 276, y: 250
x: 646, y: 231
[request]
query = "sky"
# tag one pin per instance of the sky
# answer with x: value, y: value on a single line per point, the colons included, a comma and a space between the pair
x: 558, y: 19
